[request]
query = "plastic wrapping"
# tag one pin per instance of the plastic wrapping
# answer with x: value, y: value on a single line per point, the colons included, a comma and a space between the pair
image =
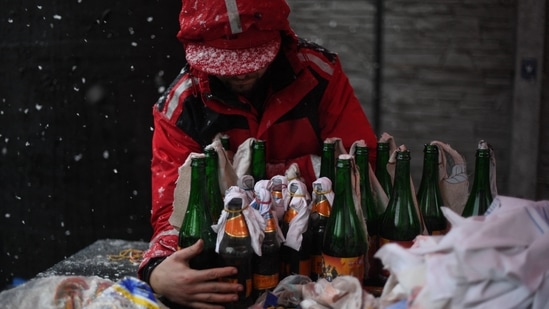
x: 87, y: 292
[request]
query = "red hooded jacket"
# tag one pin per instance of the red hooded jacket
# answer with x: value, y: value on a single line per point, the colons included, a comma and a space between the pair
x: 308, y: 98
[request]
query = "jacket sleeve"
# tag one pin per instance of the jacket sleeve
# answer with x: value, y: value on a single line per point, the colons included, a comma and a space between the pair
x: 170, y: 148
x: 341, y: 114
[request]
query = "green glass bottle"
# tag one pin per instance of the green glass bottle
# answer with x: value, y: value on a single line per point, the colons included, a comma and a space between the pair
x: 327, y: 160
x: 197, y: 221
x: 480, y: 196
x: 371, y: 214
x: 428, y: 195
x: 400, y: 222
x: 382, y: 158
x: 259, y: 163
x: 345, y: 245
x: 235, y: 249
x: 320, y: 212
x: 213, y: 192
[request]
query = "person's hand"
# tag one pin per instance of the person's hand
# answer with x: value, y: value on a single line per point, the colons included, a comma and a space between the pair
x: 175, y: 280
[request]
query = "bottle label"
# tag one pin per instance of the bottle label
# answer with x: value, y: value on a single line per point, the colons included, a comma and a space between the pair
x: 438, y: 232
x: 270, y: 225
x: 264, y: 282
x: 342, y: 266
x: 316, y: 264
x: 290, y: 214
x: 277, y: 195
x: 236, y: 227
x: 323, y: 208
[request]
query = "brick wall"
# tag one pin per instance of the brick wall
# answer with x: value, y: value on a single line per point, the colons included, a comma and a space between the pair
x: 447, y: 68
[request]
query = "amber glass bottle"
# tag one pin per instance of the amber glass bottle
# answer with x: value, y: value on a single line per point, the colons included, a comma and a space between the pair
x: 327, y: 161
x: 344, y: 246
x: 320, y: 212
x: 480, y: 196
x: 400, y: 222
x: 259, y: 163
x: 382, y: 157
x: 197, y: 221
x: 296, y: 261
x: 266, y: 267
x: 235, y: 249
x: 213, y: 192
x: 428, y: 195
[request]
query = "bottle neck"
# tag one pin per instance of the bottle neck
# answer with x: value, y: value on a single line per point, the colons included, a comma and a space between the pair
x: 327, y: 161
x: 482, y: 170
x: 430, y: 169
x: 343, y: 186
x: 259, y: 170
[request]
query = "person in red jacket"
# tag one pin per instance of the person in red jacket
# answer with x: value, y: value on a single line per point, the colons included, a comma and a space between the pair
x: 248, y: 75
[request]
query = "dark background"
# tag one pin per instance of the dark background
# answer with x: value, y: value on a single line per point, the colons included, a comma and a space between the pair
x: 78, y: 82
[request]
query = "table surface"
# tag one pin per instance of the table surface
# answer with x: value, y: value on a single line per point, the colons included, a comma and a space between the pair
x: 103, y: 258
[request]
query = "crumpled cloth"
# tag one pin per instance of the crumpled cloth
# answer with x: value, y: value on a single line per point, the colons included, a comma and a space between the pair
x: 298, y: 224
x: 500, y: 260
x: 343, y: 292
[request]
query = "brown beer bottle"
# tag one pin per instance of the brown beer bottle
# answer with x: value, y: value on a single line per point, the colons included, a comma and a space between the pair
x: 197, y: 221
x: 320, y: 212
x: 295, y: 252
x: 428, y: 195
x: 266, y: 267
x: 345, y: 243
x: 400, y: 222
x: 235, y: 249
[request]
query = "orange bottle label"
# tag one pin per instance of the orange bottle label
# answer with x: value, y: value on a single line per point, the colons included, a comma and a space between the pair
x: 236, y: 227
x: 264, y: 282
x: 339, y: 266
x: 290, y: 214
x: 323, y: 208
x: 270, y: 225
x: 277, y: 194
